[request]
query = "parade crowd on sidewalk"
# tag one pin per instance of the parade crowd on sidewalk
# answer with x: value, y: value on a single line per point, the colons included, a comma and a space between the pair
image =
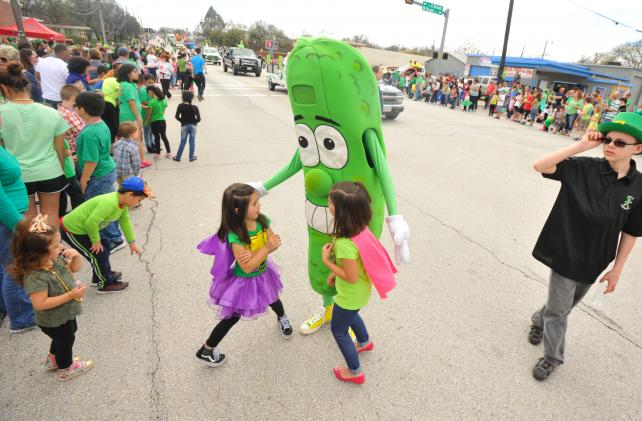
x: 555, y: 110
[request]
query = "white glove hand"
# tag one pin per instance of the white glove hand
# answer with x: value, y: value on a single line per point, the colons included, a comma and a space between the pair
x: 259, y: 187
x: 400, y: 233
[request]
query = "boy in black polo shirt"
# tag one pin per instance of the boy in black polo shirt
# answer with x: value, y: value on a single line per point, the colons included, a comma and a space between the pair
x: 596, y: 218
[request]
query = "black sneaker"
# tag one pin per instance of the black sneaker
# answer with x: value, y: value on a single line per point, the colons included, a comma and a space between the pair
x: 284, y: 326
x: 535, y: 335
x: 113, y: 288
x: 211, y: 357
x: 116, y: 245
x: 543, y: 368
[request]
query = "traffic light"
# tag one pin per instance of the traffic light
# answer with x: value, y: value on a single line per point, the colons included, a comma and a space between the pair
x: 409, y: 1
x: 435, y: 54
x: 445, y: 56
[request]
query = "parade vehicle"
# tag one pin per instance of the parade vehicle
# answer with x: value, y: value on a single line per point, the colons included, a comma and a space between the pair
x: 277, y: 76
x: 241, y: 60
x: 392, y: 101
x: 211, y: 55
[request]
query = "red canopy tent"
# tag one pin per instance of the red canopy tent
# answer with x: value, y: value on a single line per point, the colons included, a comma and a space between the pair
x: 33, y: 29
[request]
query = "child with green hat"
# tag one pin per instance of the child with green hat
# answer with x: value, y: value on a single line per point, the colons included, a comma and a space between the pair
x: 596, y: 218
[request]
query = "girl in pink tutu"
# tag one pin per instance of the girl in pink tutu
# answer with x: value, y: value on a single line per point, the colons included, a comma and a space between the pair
x: 244, y: 281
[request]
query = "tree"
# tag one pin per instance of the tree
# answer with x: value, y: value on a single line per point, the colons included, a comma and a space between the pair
x: 211, y: 22
x: 631, y: 53
x: 468, y: 47
x: 598, y: 58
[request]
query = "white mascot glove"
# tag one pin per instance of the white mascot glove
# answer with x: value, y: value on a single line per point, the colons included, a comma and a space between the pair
x: 259, y: 187
x: 400, y: 233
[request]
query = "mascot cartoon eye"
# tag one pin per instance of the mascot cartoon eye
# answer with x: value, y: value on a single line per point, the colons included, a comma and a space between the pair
x: 333, y: 149
x: 307, y: 146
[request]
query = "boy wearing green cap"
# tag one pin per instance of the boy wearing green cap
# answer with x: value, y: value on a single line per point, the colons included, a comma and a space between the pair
x: 596, y: 218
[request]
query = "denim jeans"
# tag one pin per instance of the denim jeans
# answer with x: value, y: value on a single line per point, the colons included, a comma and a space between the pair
x: 199, y: 79
x: 14, y: 301
x: 101, y: 185
x: 187, y: 130
x: 570, y: 120
x: 149, y: 139
x: 343, y: 319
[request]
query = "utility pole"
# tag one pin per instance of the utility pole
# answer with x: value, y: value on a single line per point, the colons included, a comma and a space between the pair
x: 502, y: 62
x: 545, y: 45
x: 17, y: 15
x: 438, y: 10
x: 102, y: 22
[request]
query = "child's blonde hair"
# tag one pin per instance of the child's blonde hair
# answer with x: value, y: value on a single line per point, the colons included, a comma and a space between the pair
x: 127, y: 129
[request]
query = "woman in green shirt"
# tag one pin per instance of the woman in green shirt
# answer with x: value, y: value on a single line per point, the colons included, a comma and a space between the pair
x: 130, y: 107
x: 573, y: 105
x: 35, y: 135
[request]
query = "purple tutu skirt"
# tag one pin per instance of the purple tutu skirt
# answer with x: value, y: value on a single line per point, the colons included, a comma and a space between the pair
x: 237, y: 296
x: 248, y: 298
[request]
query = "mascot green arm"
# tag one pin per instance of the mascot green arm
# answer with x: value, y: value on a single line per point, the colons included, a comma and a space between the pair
x: 396, y: 223
x: 380, y: 165
x: 293, y: 167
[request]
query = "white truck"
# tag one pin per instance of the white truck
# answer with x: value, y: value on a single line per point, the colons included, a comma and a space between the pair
x: 276, y: 76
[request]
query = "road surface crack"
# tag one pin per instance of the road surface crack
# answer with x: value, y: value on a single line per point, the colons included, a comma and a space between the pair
x: 588, y: 310
x: 157, y: 392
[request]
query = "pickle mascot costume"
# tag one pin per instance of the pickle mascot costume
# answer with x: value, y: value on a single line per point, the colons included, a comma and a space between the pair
x: 337, y: 118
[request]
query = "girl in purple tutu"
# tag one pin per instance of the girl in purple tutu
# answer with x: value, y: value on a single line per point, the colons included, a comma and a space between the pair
x: 244, y: 281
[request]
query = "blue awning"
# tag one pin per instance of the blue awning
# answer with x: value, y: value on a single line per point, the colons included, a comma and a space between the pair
x: 609, y: 82
x: 544, y: 65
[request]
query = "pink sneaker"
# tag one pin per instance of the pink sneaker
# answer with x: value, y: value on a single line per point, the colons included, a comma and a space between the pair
x: 169, y: 155
x: 50, y: 362
x: 75, y: 369
x: 145, y: 164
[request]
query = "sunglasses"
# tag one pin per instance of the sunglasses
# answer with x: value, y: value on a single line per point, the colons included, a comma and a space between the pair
x: 617, y: 142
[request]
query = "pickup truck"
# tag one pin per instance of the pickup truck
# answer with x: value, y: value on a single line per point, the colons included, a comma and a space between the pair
x: 392, y: 101
x: 241, y: 60
x: 211, y: 55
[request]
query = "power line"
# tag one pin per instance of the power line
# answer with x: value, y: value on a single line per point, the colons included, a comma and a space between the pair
x: 617, y: 22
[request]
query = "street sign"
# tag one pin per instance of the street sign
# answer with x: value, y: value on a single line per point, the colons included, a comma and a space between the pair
x: 268, y: 44
x: 432, y: 8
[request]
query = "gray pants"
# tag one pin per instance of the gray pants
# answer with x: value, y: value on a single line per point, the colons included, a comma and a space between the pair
x: 563, y: 295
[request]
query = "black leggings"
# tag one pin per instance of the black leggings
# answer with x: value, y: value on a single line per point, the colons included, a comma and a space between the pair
x: 159, y: 129
x: 62, y: 342
x: 224, y: 326
x: 110, y: 117
x: 165, y: 84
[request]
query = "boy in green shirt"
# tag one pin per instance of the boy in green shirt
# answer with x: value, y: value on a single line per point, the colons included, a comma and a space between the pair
x: 97, y: 167
x: 81, y: 230
x: 148, y: 80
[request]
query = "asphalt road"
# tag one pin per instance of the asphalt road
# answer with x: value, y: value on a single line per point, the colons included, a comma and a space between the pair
x: 451, y: 340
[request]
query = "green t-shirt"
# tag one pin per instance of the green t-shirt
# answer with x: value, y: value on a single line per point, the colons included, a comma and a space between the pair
x: 157, y: 108
x: 95, y: 214
x: 45, y: 280
x: 258, y: 239
x: 70, y: 167
x: 572, y: 105
x: 587, y: 111
x: 28, y: 132
x: 182, y: 64
x: 111, y: 90
x: 351, y: 296
x: 143, y: 96
x: 129, y: 91
x: 93, y: 145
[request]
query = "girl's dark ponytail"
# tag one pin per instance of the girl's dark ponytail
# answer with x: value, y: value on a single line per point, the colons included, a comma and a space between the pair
x: 12, y: 76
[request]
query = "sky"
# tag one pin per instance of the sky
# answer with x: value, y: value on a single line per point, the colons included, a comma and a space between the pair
x: 570, y: 30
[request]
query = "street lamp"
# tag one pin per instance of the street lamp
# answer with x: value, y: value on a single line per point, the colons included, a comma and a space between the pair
x: 545, y: 45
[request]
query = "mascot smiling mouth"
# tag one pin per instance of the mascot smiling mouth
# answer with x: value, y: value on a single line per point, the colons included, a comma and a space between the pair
x: 319, y: 218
